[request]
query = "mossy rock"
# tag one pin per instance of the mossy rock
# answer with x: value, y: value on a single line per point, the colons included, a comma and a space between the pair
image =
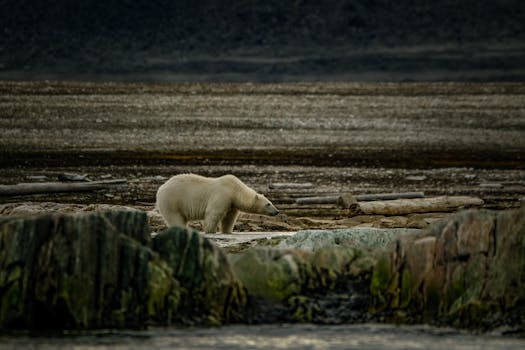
x: 362, y: 238
x: 466, y: 272
x: 210, y: 291
x: 268, y: 273
x: 328, y: 286
x: 79, y: 272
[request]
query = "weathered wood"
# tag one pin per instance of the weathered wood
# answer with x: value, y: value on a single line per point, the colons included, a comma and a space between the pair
x: 389, y: 196
x: 416, y: 205
x: 282, y: 185
x: 315, y: 212
x: 56, y: 187
x: 304, y: 207
x: 282, y: 200
x: 346, y: 200
x: 317, y: 200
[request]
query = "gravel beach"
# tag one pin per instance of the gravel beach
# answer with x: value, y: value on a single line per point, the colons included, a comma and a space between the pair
x: 358, y: 138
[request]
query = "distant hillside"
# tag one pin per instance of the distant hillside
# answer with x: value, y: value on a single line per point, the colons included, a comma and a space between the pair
x: 115, y: 37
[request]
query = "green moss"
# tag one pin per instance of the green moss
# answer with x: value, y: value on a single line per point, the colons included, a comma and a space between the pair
x: 163, y: 292
x: 77, y: 294
x: 303, y: 310
x: 336, y: 258
x: 473, y: 314
x: 363, y: 265
x: 13, y: 297
x: 11, y: 305
x: 381, y: 276
x: 466, y: 285
x: 432, y: 300
x: 213, y: 321
x: 278, y: 285
x: 118, y: 314
x: 381, y: 284
x: 267, y: 274
x: 12, y: 280
x: 406, y: 289
x: 453, y: 293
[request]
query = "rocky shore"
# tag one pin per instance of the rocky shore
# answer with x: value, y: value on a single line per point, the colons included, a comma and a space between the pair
x: 106, y: 270
x: 86, y: 260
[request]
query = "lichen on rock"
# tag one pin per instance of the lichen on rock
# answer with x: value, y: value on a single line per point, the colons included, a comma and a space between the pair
x: 102, y: 270
x: 467, y: 272
x: 326, y: 286
x: 81, y: 271
x: 357, y: 237
x: 210, y: 291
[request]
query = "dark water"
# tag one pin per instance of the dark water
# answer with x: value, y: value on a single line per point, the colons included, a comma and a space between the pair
x: 364, y: 336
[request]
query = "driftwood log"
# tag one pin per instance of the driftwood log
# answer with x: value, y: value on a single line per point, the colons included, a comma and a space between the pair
x: 56, y: 187
x: 388, y: 196
x: 416, y: 205
x: 290, y: 185
x: 347, y: 200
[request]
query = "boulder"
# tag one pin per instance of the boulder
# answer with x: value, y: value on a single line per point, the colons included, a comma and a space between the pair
x: 269, y: 273
x: 103, y: 270
x: 210, y: 291
x: 468, y: 271
x: 134, y: 223
x: 313, y: 276
x: 364, y: 237
x: 82, y: 271
x: 292, y: 285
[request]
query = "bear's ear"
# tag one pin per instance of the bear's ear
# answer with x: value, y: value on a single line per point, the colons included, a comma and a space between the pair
x: 256, y: 197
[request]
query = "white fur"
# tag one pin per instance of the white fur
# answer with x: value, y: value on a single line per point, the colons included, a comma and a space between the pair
x: 217, y: 201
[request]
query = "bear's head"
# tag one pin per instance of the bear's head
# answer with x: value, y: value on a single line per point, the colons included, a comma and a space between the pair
x: 263, y: 206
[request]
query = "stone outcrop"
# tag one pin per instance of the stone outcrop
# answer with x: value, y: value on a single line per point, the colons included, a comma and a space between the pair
x: 103, y: 270
x: 363, y: 237
x: 468, y: 271
x: 99, y: 270
x: 291, y: 285
x: 82, y: 271
x: 210, y: 291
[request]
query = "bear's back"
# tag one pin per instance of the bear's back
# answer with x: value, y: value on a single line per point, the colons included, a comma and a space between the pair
x: 186, y: 186
x: 185, y: 183
x: 190, y: 179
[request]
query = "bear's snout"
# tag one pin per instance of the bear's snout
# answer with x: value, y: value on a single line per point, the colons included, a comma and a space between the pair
x: 274, y: 211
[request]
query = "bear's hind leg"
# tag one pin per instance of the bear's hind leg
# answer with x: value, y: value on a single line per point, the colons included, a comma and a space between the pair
x: 211, y: 221
x: 175, y: 219
x: 228, y: 221
x: 210, y: 224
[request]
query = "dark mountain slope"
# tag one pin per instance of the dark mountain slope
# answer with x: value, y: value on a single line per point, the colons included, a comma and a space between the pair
x: 130, y: 36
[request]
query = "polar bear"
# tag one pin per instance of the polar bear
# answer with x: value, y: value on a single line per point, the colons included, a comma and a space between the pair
x: 217, y: 201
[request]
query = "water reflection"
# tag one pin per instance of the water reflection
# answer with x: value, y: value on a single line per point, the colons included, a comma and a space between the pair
x: 367, y: 336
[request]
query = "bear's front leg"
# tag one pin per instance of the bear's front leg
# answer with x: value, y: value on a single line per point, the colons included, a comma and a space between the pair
x: 210, y: 226
x: 211, y: 220
x: 228, y: 221
x: 216, y: 210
